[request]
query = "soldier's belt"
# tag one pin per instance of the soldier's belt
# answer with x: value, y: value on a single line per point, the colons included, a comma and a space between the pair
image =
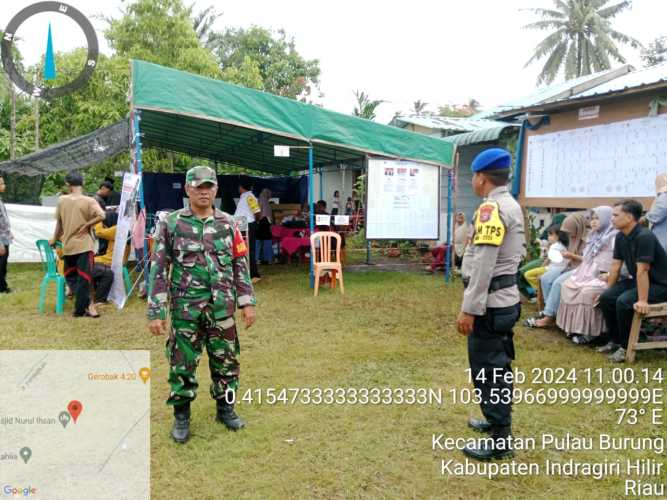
x: 497, y: 282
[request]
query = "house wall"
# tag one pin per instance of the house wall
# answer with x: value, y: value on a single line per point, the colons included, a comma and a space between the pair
x: 618, y: 109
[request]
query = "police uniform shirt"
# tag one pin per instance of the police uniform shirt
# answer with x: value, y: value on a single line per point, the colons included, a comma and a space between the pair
x: 497, y: 249
x: 247, y: 207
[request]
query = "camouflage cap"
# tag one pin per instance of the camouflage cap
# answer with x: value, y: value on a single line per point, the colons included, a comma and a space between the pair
x: 199, y: 175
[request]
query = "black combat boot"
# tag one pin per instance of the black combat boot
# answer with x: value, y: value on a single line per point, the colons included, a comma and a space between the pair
x: 225, y: 414
x: 497, y: 447
x: 479, y: 424
x: 180, y: 431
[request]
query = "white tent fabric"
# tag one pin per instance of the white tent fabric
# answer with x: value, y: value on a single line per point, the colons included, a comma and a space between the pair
x: 29, y: 223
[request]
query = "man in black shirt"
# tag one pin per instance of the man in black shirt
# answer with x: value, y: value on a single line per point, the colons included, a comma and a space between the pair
x: 646, y: 261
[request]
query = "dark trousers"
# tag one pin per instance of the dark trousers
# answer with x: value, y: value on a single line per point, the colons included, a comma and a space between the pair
x: 3, y: 270
x: 252, y: 243
x: 102, y: 280
x: 81, y: 265
x: 617, y: 306
x: 490, y: 353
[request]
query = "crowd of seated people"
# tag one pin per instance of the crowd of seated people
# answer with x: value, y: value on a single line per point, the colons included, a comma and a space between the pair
x: 612, y: 267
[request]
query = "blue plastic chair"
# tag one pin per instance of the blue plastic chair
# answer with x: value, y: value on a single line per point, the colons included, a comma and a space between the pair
x: 50, y: 268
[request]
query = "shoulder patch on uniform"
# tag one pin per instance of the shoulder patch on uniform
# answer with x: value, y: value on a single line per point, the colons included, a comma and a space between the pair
x: 240, y: 247
x: 489, y: 228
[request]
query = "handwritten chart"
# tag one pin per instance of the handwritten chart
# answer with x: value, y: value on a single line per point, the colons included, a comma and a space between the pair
x: 619, y: 159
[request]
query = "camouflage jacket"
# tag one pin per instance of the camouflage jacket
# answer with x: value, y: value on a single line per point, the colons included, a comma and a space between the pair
x: 5, y: 232
x: 194, y: 261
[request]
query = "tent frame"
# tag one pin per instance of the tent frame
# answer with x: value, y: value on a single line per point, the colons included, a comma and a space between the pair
x: 155, y: 133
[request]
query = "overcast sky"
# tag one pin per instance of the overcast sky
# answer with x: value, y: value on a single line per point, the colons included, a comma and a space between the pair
x: 439, y: 52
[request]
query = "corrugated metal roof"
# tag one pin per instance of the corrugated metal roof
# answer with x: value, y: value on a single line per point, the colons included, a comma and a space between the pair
x: 639, y: 78
x: 444, y: 122
x: 479, y: 136
x: 554, y: 91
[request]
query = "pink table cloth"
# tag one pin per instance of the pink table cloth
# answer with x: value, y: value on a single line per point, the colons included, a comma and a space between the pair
x: 291, y: 244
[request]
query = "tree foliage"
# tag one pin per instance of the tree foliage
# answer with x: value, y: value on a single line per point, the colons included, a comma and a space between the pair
x: 582, y: 39
x: 656, y: 52
x: 366, y: 106
x: 202, y: 23
x: 242, y: 53
x: 162, y: 32
x: 419, y: 107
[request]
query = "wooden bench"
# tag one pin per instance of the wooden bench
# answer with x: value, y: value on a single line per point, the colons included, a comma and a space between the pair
x: 656, y: 311
x: 540, y: 297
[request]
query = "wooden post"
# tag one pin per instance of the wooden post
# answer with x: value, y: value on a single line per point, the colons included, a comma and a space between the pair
x: 12, y: 123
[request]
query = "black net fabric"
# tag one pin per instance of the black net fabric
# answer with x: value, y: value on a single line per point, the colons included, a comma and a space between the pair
x: 75, y: 154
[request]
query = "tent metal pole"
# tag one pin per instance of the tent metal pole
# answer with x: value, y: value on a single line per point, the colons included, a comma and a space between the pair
x: 448, y: 253
x: 311, y: 208
x: 139, y: 171
x: 322, y: 186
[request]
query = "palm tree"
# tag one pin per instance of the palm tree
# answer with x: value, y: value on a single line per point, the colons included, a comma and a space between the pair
x: 418, y: 107
x: 365, y: 107
x: 202, y: 23
x: 582, y: 41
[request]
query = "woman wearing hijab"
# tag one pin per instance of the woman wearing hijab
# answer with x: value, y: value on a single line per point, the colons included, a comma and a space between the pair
x: 575, y: 226
x: 264, y: 237
x: 577, y: 315
x: 657, y: 216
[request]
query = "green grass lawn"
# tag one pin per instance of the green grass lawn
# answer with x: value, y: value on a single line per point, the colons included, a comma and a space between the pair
x: 390, y: 330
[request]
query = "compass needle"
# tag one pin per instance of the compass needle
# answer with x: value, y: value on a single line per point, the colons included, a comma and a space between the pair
x: 49, y: 59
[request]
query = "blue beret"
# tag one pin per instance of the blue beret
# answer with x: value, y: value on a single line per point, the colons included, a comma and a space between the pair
x: 491, y: 159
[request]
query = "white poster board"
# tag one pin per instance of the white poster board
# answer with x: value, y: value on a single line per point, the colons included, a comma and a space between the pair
x: 614, y: 160
x: 403, y: 200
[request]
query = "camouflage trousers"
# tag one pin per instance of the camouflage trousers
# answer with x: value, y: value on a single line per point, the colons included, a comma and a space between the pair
x: 193, y: 327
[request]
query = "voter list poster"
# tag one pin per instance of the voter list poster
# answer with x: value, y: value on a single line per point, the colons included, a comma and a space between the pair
x: 402, y: 200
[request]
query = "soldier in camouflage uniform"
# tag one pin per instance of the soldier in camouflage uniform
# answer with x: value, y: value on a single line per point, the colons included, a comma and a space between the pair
x: 199, y: 270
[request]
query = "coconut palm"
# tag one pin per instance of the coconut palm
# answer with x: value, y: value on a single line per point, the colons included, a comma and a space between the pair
x: 419, y: 107
x: 366, y: 106
x: 583, y: 40
x: 203, y: 22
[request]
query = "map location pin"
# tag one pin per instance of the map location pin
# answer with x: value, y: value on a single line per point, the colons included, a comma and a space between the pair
x: 64, y: 418
x: 25, y: 453
x: 145, y: 374
x: 75, y: 408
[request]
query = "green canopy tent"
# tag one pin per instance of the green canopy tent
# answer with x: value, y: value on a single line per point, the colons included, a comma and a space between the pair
x: 237, y: 126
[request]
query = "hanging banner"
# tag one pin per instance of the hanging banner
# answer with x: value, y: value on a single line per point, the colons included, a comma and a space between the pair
x: 126, y: 218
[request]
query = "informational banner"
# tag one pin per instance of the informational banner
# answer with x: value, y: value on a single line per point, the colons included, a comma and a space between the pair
x: 126, y: 217
x: 403, y: 200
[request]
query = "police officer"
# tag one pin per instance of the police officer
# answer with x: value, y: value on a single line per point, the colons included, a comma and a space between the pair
x: 199, y: 270
x: 491, y: 304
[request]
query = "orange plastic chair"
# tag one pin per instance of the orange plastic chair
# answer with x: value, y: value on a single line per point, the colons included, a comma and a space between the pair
x: 320, y: 249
